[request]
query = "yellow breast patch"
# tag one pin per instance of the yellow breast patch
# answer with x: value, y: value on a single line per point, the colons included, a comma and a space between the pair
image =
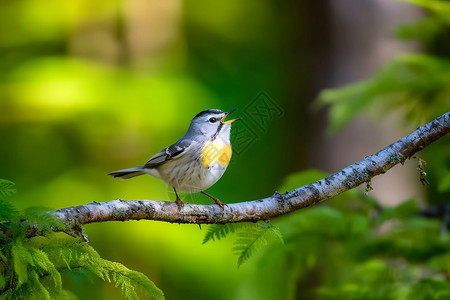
x: 216, y: 151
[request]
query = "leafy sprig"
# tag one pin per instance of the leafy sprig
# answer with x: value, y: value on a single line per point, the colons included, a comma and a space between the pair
x: 32, y: 265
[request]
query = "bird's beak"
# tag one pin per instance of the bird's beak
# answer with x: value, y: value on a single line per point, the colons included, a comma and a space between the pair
x: 230, y: 121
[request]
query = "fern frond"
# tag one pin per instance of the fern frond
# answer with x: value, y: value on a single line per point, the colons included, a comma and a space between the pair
x: 2, y: 281
x: 63, y: 295
x: 7, y: 210
x: 274, y: 234
x: 45, y: 266
x: 3, y: 257
x: 31, y: 266
x: 7, y: 188
x: 126, y: 287
x: 21, y: 259
x: 129, y: 280
x: 247, y: 244
x: 254, y: 239
x: 68, y: 253
x: 63, y: 256
x: 37, y: 287
x: 251, y: 237
x: 218, y: 231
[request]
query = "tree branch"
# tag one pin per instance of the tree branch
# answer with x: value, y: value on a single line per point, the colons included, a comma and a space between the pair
x: 263, y: 209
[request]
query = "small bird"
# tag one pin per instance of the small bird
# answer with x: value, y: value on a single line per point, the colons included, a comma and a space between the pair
x: 196, y: 161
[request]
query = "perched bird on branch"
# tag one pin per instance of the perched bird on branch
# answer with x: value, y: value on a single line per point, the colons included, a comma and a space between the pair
x: 196, y: 161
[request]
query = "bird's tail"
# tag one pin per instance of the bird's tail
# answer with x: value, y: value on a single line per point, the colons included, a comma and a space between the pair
x: 127, y: 173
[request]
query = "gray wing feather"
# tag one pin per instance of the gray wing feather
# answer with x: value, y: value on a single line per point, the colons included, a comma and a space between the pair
x: 172, y: 152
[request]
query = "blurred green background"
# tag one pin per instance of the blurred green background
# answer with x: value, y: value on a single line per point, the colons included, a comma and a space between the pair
x: 88, y: 87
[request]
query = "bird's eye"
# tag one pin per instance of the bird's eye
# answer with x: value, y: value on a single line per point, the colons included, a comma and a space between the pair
x: 212, y: 120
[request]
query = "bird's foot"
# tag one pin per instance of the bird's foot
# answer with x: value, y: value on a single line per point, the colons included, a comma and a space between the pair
x: 179, y: 203
x: 216, y: 201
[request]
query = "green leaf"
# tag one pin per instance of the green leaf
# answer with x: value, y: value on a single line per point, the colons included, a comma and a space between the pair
x: 252, y: 240
x: 437, y: 6
x: 430, y: 289
x: 7, y: 210
x: 45, y: 266
x: 129, y: 280
x: 37, y: 287
x: 67, y: 253
x: 324, y: 219
x: 444, y: 184
x: 416, y: 83
x: 2, y: 281
x: 7, y: 188
x: 21, y: 260
x: 218, y: 231
x: 45, y: 256
x: 404, y: 210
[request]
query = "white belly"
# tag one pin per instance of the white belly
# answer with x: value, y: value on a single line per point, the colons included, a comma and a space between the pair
x: 189, y: 175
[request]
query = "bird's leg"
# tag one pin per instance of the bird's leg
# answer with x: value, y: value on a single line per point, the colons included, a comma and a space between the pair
x: 178, y: 201
x: 222, y: 205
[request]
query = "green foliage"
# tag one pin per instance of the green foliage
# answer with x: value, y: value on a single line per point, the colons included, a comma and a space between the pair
x: 360, y: 250
x: 417, y: 83
x: 357, y: 250
x: 444, y: 185
x: 72, y: 254
x: 221, y: 231
x: 430, y: 289
x: 250, y: 241
x: 438, y: 6
x: 7, y: 188
x: 350, y: 248
x: 32, y: 264
x: 354, y: 248
x: 402, y: 211
x: 252, y: 237
x: 7, y: 210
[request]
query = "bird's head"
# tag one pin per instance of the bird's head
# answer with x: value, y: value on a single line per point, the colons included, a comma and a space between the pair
x: 211, y: 123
